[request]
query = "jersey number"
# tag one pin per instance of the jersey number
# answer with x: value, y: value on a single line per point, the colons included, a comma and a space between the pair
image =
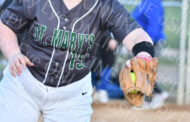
x: 79, y: 58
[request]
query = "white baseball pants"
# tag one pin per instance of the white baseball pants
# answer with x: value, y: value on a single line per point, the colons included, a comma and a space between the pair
x: 24, y: 98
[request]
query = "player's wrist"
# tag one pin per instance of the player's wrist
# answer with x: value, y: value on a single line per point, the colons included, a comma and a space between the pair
x: 143, y: 49
x: 144, y: 55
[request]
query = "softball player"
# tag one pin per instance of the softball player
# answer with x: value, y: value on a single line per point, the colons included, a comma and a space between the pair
x: 49, y: 72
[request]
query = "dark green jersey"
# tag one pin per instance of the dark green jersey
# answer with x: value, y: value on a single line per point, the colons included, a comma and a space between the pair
x: 61, y: 42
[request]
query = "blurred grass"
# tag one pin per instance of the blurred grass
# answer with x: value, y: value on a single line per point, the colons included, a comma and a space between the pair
x: 172, y: 26
x: 167, y: 61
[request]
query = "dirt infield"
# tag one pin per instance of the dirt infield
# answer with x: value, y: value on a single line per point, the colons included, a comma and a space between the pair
x: 120, y: 111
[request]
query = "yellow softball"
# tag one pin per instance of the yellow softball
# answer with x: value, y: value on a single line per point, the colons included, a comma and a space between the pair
x: 133, y: 77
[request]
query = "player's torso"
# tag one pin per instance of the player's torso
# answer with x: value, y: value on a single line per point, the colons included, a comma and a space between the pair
x: 56, y: 31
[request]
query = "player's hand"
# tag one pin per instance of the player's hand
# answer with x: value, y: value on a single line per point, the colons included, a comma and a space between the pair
x: 144, y: 55
x: 17, y: 63
x: 112, y: 44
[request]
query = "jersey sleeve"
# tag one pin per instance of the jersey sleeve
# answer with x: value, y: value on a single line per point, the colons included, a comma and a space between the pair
x: 119, y: 21
x: 15, y: 16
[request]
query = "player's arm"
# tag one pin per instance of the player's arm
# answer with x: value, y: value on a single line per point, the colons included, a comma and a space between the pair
x: 140, y: 72
x: 140, y: 43
x: 14, y: 20
x: 10, y: 49
x: 8, y: 42
x: 135, y: 37
x: 127, y: 30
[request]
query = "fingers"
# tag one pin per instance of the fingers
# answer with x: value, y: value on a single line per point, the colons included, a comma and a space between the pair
x: 128, y: 63
x: 144, y: 55
x: 112, y: 44
x: 12, y: 71
x: 23, y: 62
x: 18, y: 66
x: 18, y: 62
x: 28, y: 62
x: 16, y: 69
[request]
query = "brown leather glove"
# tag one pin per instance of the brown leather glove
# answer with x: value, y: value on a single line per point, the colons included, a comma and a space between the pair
x: 145, y: 72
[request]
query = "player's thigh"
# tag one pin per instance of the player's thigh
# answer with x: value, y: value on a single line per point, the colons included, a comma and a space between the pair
x: 75, y: 109
x: 14, y: 107
x: 70, y: 113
